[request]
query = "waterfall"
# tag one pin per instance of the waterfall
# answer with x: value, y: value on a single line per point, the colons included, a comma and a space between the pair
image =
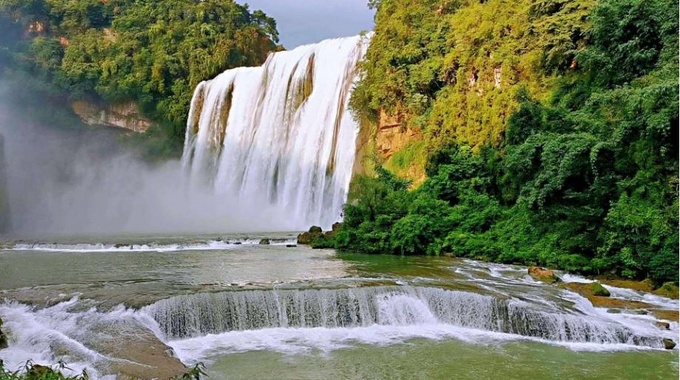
x: 280, y: 135
x: 214, y: 313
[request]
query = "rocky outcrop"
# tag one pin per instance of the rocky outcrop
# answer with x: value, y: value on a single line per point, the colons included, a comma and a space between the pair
x: 120, y: 115
x: 393, y: 135
x: 543, y: 274
x: 319, y: 239
x: 306, y: 238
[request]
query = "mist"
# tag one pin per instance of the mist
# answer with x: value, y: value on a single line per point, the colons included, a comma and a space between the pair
x: 83, y: 181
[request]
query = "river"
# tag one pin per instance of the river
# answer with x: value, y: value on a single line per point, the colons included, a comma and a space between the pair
x: 135, y: 305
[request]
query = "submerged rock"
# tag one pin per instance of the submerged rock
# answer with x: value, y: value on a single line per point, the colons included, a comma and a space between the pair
x: 3, y: 338
x: 663, y: 325
x: 668, y: 344
x: 543, y: 274
x: 669, y: 315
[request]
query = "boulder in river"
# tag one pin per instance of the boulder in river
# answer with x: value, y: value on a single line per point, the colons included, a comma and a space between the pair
x: 543, y: 274
x: 599, y: 290
x: 265, y: 241
x: 308, y: 237
x: 3, y: 338
x: 668, y: 344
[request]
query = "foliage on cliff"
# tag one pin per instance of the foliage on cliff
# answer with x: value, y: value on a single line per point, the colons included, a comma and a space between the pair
x: 581, y: 175
x: 453, y: 67
x: 151, y: 52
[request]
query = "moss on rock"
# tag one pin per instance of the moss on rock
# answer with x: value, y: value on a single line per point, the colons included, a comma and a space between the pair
x: 599, y: 290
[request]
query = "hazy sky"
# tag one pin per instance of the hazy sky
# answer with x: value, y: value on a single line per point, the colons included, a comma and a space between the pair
x: 308, y: 21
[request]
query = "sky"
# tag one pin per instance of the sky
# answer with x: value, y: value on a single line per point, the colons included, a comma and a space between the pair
x: 303, y: 22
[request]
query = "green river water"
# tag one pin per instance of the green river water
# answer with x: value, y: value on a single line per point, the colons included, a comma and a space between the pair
x: 253, y: 311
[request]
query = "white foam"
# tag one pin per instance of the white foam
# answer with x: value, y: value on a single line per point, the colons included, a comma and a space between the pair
x: 210, y: 245
x: 301, y: 341
x: 566, y: 277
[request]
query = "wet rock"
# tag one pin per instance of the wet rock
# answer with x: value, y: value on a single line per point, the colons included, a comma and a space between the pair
x: 663, y: 325
x: 143, y: 356
x: 586, y: 290
x: 543, y: 274
x: 291, y: 245
x: 599, y: 290
x: 669, y: 315
x: 3, y: 338
x: 265, y: 241
x: 668, y: 344
x: 668, y: 289
x: 641, y: 286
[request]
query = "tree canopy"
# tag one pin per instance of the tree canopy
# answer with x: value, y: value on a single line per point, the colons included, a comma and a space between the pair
x: 572, y: 162
x: 150, y: 52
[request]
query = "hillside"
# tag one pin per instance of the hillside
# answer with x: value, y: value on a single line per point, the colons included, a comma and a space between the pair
x: 136, y: 61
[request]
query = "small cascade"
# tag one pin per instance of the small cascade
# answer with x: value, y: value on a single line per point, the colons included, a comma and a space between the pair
x: 213, y: 313
x: 280, y: 134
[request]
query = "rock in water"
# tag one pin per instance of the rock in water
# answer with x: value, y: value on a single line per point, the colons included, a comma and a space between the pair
x: 265, y: 241
x: 3, y: 338
x: 663, y: 325
x: 668, y: 344
x: 599, y: 290
x: 543, y: 274
x: 308, y: 237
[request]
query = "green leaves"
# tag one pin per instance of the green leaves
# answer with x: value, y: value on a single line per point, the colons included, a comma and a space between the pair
x: 571, y: 163
x: 150, y: 52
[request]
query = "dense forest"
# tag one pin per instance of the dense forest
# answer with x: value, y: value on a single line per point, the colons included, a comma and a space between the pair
x: 549, y: 128
x: 151, y: 52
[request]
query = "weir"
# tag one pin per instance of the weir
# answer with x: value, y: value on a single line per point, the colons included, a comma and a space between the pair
x: 213, y: 313
x: 280, y: 134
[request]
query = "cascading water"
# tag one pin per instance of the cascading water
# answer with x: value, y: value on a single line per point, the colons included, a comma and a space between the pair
x: 196, y: 315
x: 280, y: 134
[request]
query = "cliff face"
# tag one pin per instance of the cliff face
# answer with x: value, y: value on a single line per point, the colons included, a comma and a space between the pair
x: 393, y: 144
x: 119, y: 115
x: 393, y: 136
